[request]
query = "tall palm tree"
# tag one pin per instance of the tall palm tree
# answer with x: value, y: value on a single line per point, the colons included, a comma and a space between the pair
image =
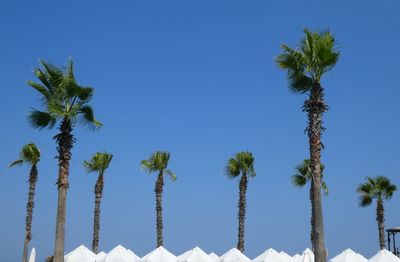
x: 158, y: 162
x: 301, y: 178
x: 242, y: 164
x: 379, y: 188
x: 97, y: 164
x: 30, y: 155
x: 66, y: 102
x: 306, y: 65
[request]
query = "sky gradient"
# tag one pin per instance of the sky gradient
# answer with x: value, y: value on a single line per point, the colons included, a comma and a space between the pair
x: 198, y: 78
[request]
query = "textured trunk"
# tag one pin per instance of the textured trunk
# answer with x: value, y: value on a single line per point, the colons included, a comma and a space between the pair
x: 98, y: 192
x: 159, y: 190
x: 380, y: 218
x: 33, y: 176
x: 312, y: 217
x: 242, y: 211
x: 315, y: 107
x: 65, y: 142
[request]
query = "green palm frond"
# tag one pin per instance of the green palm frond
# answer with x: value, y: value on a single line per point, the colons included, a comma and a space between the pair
x: 16, y: 163
x: 98, y: 163
x: 241, y: 163
x: 29, y: 154
x: 303, y: 175
x: 171, y: 175
x: 62, y: 98
x: 158, y: 162
x: 379, y: 188
x: 315, y: 55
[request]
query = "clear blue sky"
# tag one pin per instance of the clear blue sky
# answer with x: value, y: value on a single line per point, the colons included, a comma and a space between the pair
x: 197, y: 78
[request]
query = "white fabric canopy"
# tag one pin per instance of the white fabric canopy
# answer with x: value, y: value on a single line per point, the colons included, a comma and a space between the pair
x: 233, y: 255
x: 214, y: 257
x: 296, y: 258
x: 271, y: 255
x: 384, y: 256
x: 32, y: 256
x: 159, y: 255
x: 120, y: 254
x: 80, y: 254
x: 349, y: 256
x: 307, y: 256
x: 195, y: 255
x: 100, y: 256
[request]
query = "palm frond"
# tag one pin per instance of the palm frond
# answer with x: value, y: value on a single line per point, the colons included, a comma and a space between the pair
x: 171, y: 175
x: 39, y: 119
x: 299, y: 180
x: 98, y: 163
x: 16, y: 163
x: 88, y: 119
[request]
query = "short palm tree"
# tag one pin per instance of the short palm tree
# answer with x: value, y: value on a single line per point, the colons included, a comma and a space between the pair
x: 242, y: 164
x: 379, y: 188
x: 29, y: 155
x: 66, y: 102
x: 158, y: 162
x: 97, y: 164
x: 301, y: 178
x: 306, y: 65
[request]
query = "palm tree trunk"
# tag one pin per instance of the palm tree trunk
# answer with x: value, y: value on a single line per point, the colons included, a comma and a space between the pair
x: 380, y: 218
x: 98, y: 192
x: 242, y: 211
x: 315, y: 107
x: 159, y: 190
x: 312, y: 217
x: 33, y: 176
x: 65, y: 142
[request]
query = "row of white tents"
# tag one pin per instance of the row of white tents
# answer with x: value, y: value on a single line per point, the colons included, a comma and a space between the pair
x: 121, y: 254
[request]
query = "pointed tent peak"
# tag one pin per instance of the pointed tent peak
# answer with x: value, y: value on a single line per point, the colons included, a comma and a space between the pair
x: 348, y: 255
x: 308, y: 251
x: 160, y: 254
x: 32, y: 256
x: 213, y: 254
x: 81, y: 253
x: 384, y: 256
x: 233, y: 255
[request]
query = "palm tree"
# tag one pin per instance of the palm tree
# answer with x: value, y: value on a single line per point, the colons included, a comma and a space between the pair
x: 66, y: 102
x: 30, y: 155
x: 158, y: 162
x: 242, y: 164
x: 301, y: 178
x: 97, y: 164
x: 305, y: 66
x: 379, y: 188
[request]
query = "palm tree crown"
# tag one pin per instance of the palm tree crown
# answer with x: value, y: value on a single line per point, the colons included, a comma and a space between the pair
x: 380, y: 188
x: 303, y: 175
x: 29, y: 154
x: 306, y: 64
x: 243, y: 162
x: 62, y: 97
x: 98, y: 163
x: 158, y: 162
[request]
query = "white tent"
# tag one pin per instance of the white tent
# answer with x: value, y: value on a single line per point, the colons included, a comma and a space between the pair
x: 160, y: 254
x: 120, y: 254
x: 100, y: 256
x: 32, y: 256
x: 286, y: 255
x: 233, y: 255
x: 194, y: 255
x: 271, y: 255
x: 80, y: 254
x: 296, y: 258
x: 307, y: 256
x: 214, y: 257
x: 384, y: 256
x: 348, y: 256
